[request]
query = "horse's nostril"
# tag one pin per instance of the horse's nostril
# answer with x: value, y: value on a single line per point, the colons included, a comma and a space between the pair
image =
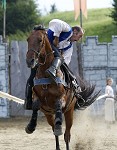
x: 32, y: 61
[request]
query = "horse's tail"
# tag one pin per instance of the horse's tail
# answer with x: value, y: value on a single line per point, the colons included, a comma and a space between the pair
x: 87, y: 96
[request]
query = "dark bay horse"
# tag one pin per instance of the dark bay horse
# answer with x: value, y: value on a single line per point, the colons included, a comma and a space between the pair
x: 52, y: 99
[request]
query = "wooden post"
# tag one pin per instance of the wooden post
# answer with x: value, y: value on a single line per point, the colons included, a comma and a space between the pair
x: 79, y: 46
x: 4, y: 25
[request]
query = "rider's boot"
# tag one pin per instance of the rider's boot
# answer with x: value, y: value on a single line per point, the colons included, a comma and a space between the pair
x: 51, y: 71
x: 77, y: 90
x: 76, y: 87
x: 28, y: 91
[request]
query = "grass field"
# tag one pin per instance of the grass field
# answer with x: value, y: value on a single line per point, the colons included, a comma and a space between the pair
x: 98, y: 24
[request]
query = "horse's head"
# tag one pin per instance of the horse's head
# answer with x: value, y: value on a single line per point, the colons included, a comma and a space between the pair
x: 36, y: 47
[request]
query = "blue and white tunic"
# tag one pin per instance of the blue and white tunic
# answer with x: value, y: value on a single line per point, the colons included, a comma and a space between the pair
x: 62, y: 30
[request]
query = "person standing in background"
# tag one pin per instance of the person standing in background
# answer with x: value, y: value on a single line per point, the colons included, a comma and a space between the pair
x: 109, y: 102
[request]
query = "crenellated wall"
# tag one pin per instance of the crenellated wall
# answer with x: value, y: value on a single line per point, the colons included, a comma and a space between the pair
x: 99, y: 61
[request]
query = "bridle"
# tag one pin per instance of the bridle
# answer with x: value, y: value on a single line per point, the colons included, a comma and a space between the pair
x: 39, y: 52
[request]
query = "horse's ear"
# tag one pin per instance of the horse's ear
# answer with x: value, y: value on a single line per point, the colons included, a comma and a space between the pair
x: 39, y: 27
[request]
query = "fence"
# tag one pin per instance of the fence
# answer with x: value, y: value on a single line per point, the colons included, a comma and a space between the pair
x: 19, y: 74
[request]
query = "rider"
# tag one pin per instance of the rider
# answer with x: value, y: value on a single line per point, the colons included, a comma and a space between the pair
x: 61, y: 36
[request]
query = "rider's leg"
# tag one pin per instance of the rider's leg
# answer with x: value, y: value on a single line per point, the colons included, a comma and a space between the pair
x: 75, y: 85
x: 56, y: 64
x: 76, y: 88
x: 51, y: 71
x: 28, y: 91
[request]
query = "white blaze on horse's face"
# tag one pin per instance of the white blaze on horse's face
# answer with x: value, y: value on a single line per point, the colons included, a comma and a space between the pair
x: 34, y: 46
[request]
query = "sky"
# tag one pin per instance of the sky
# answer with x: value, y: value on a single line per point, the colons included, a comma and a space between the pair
x: 67, y: 5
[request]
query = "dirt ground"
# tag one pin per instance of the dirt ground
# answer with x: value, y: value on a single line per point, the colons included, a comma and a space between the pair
x: 87, y: 133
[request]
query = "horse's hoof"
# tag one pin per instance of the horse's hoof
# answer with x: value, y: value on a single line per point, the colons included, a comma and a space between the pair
x: 29, y: 131
x: 58, y: 149
x: 58, y: 130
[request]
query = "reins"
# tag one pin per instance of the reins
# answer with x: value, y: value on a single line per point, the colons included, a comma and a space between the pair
x: 45, y: 59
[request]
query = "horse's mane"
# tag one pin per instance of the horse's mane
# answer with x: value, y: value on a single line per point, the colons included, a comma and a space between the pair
x: 39, y: 27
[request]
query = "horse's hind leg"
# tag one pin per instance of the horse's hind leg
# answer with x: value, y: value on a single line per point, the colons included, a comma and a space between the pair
x: 33, y: 122
x: 69, y: 122
x: 58, y: 118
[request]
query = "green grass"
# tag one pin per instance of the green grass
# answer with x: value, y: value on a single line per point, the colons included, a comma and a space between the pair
x: 98, y: 23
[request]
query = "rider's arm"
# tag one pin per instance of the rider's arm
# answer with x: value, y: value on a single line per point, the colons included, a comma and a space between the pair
x: 56, y: 41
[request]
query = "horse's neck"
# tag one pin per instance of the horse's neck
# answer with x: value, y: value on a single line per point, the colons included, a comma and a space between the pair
x: 40, y: 72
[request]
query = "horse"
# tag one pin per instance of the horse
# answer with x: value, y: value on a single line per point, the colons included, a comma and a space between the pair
x: 54, y: 100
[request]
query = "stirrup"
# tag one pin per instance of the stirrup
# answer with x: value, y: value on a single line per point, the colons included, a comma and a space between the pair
x: 81, y: 104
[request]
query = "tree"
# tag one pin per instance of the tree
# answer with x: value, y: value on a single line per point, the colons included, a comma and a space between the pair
x: 20, y: 15
x: 114, y: 11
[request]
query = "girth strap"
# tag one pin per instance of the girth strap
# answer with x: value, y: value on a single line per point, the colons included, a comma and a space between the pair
x: 45, y: 81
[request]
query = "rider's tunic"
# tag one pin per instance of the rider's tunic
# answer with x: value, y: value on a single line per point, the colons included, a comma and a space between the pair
x: 62, y: 30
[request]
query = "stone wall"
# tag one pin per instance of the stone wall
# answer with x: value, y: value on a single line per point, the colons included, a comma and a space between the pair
x: 4, y: 80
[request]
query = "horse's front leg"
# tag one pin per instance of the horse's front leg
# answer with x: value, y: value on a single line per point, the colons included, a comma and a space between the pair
x: 58, y: 118
x: 50, y: 119
x: 68, y: 122
x: 33, y: 122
